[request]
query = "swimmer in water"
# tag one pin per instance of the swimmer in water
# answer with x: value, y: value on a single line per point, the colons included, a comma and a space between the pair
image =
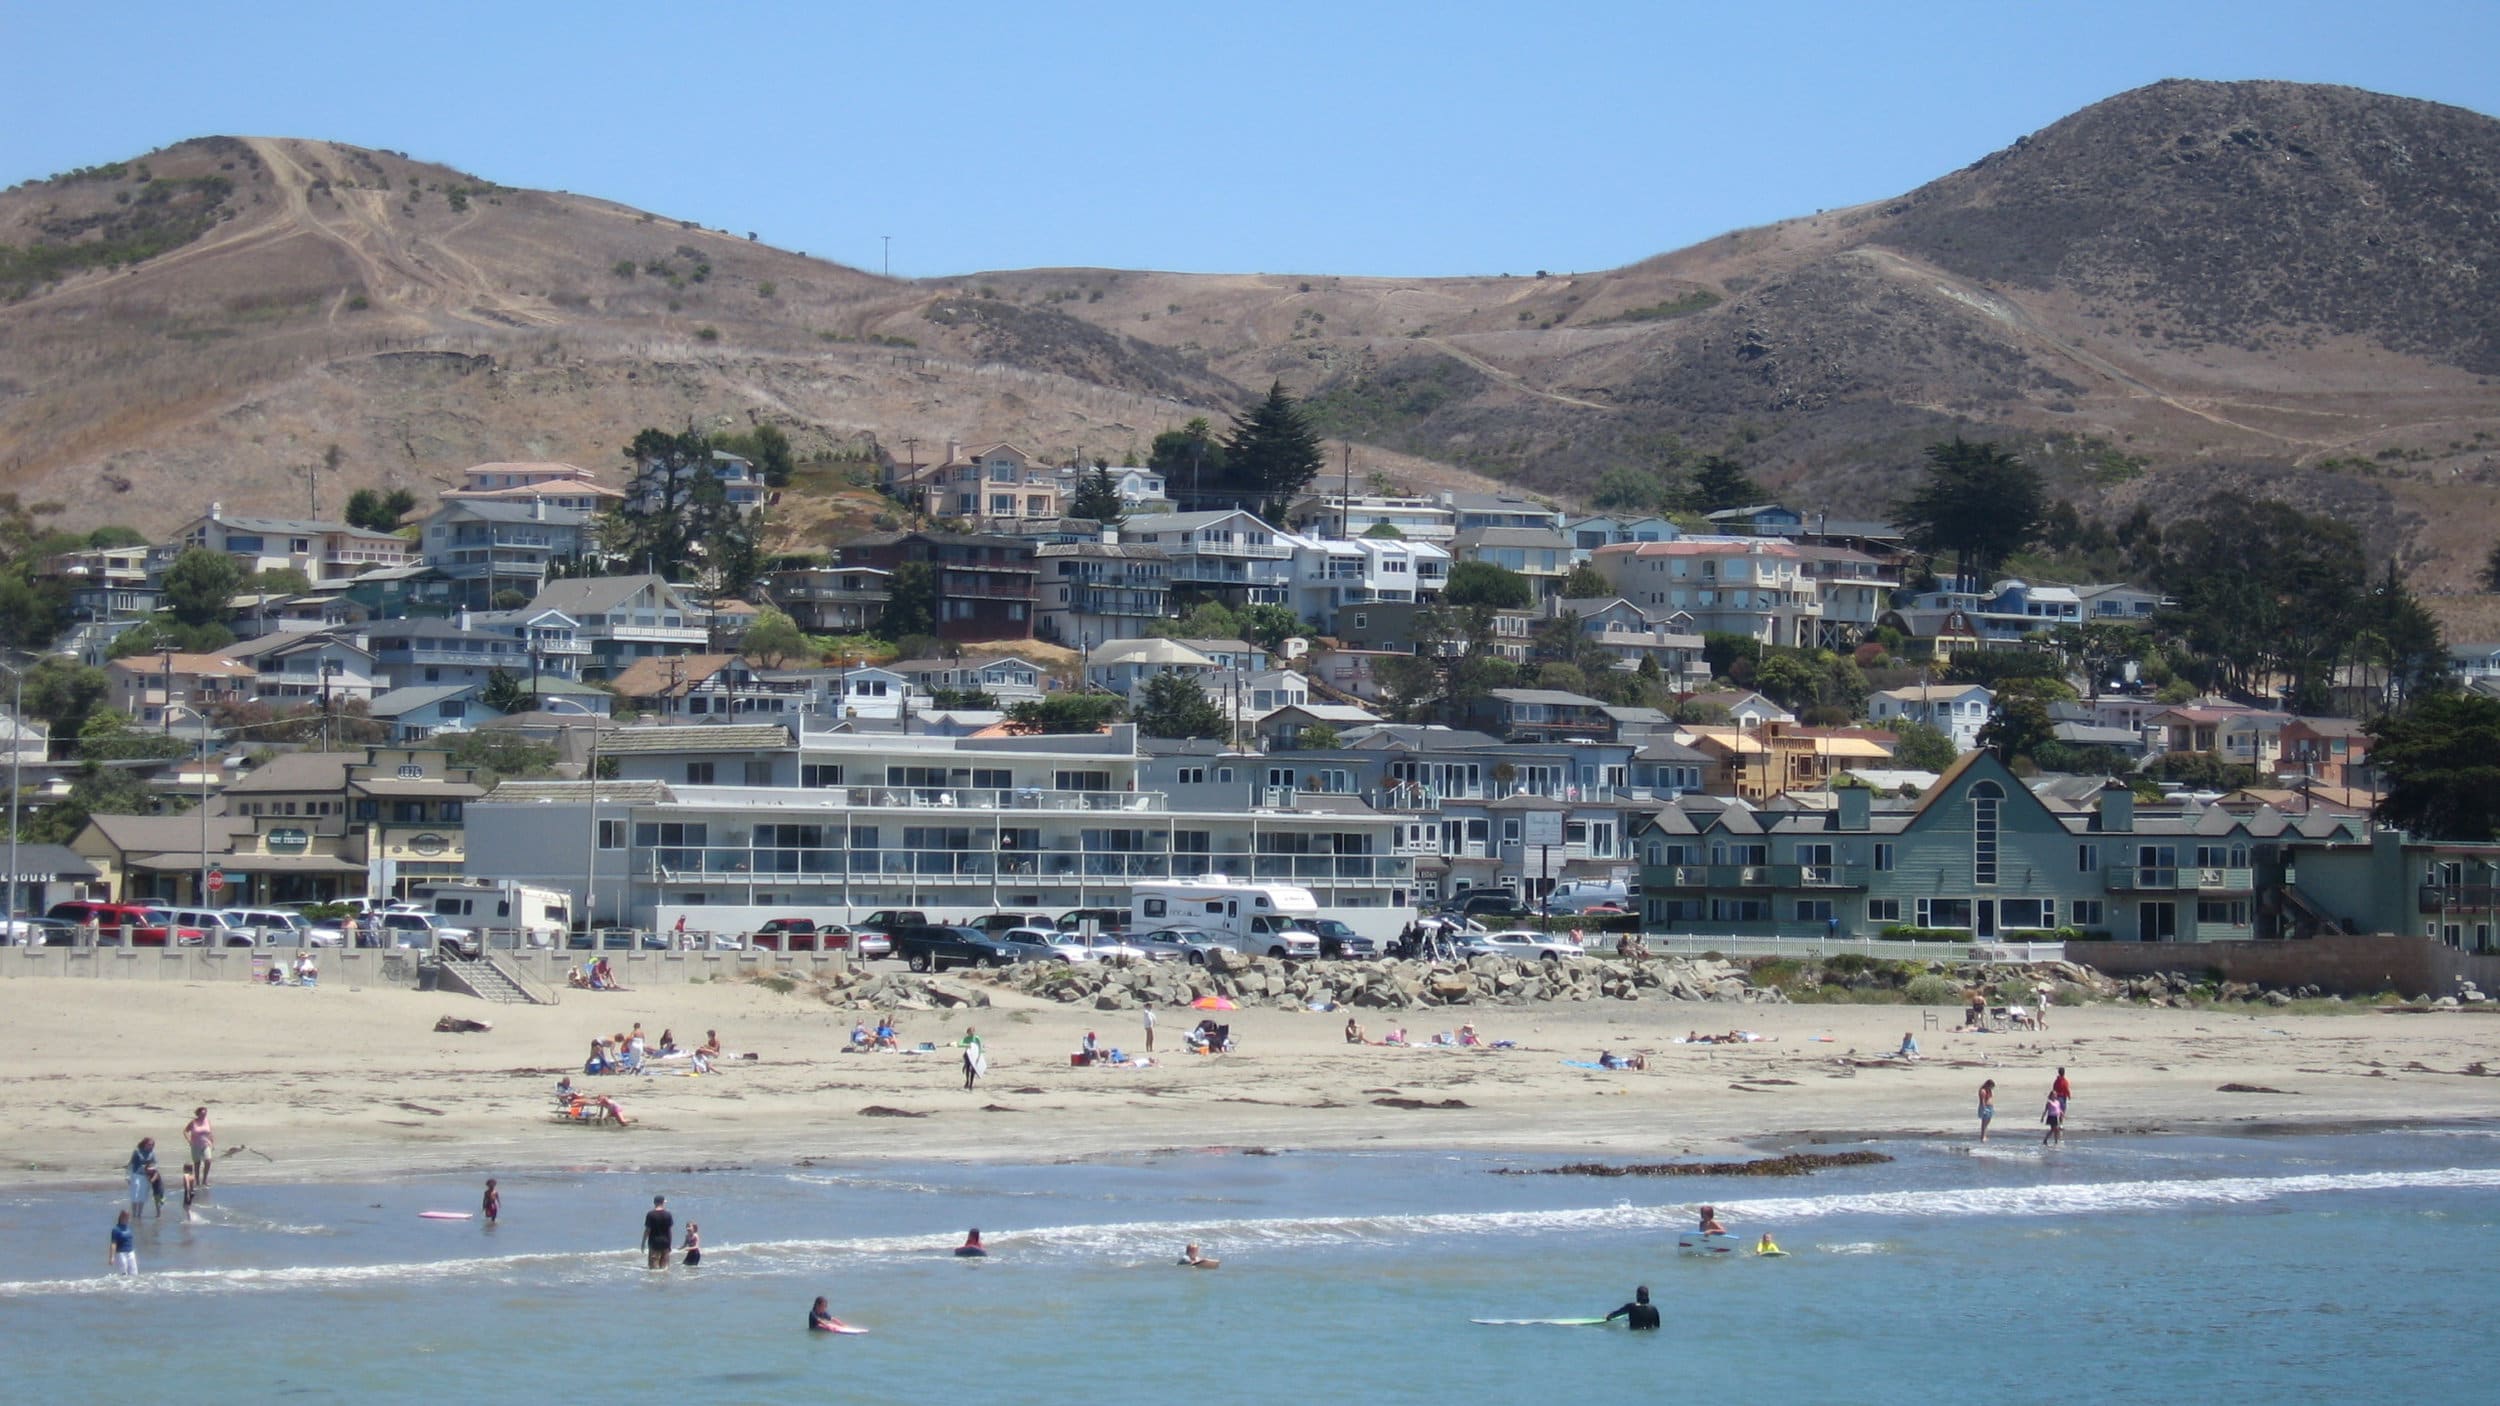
x: 1710, y: 1221
x: 1194, y: 1260
x: 972, y: 1248
x: 820, y: 1319
x: 1767, y: 1247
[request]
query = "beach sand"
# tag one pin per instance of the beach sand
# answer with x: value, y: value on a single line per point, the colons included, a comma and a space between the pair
x: 342, y: 1082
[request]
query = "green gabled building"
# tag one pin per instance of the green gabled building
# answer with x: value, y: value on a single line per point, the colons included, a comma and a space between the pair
x: 1979, y: 853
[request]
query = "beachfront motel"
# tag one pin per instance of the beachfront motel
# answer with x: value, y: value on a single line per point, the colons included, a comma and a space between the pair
x: 1979, y: 854
x: 731, y: 824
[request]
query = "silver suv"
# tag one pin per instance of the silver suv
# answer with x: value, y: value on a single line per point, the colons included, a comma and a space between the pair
x: 280, y: 927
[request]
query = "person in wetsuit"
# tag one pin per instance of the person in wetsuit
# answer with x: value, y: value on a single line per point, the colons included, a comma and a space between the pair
x: 1640, y: 1314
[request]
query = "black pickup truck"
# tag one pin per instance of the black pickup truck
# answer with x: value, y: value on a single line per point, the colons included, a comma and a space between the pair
x: 929, y: 947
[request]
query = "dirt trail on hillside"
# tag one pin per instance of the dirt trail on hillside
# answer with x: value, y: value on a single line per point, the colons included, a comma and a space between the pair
x: 409, y: 269
x: 2012, y: 316
x: 1513, y: 379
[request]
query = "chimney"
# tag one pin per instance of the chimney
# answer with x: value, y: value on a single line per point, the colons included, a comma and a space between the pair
x: 2117, y: 810
x: 538, y: 508
x: 1855, y: 804
x: 954, y: 450
x: 464, y: 619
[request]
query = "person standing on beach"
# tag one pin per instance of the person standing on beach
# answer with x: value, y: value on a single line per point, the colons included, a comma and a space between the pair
x: 203, y: 1140
x: 975, y: 1063
x: 1150, y: 1027
x: 1987, y: 1106
x: 190, y: 1195
x: 142, y: 1171
x: 123, y: 1258
x: 2062, y: 1091
x: 493, y: 1204
x: 657, y: 1228
x: 2055, y: 1116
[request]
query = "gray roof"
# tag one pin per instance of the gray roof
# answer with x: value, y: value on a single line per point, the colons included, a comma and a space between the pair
x: 697, y: 737
x: 298, y: 771
x: 1122, y: 551
x: 408, y: 700
x: 53, y: 863
x: 597, y: 594
x: 490, y: 510
x: 1184, y: 522
x: 1510, y: 537
x: 296, y: 526
x: 1552, y: 697
x: 617, y: 792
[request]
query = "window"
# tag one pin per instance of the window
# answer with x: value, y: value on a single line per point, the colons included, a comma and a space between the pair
x: 1883, y: 860
x: 1883, y: 910
x: 1153, y: 907
x: 759, y: 773
x: 819, y: 774
x: 986, y: 778
x: 1084, y: 780
x: 2027, y: 912
x: 698, y: 773
x: 1192, y: 776
x: 1985, y: 799
x: 2087, y: 858
x: 1510, y: 831
x: 2223, y: 912
x: 1814, y: 910
x: 2086, y: 912
x: 1944, y: 912
x: 1815, y: 855
x: 1193, y: 841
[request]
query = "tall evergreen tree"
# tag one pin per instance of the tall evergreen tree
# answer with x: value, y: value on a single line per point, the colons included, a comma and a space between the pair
x: 1097, y: 498
x: 1271, y: 454
x: 1173, y: 705
x: 1978, y: 502
x: 2441, y: 762
x: 1720, y: 483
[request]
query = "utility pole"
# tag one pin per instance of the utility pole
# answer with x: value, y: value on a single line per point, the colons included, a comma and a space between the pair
x: 1345, y: 494
x: 889, y: 254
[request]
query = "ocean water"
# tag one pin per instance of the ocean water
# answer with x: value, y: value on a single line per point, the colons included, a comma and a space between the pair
x: 2299, y: 1268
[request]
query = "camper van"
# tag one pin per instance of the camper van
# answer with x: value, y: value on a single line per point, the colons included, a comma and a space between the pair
x: 536, y: 917
x: 1261, y: 920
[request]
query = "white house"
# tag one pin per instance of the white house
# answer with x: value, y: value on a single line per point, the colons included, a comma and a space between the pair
x: 1958, y: 710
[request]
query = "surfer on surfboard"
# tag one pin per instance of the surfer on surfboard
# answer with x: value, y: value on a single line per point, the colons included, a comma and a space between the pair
x: 1194, y: 1260
x: 972, y: 1249
x: 1640, y: 1314
x: 820, y: 1319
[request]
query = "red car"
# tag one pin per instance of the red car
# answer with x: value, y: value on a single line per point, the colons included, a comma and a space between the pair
x: 131, y: 923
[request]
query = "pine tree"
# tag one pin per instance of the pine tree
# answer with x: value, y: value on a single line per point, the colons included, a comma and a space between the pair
x: 1097, y: 498
x: 1271, y: 454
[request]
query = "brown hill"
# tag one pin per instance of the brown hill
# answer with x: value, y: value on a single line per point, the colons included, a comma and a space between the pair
x: 2257, y: 287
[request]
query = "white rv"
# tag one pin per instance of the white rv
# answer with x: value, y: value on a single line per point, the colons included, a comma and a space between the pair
x: 1266, y: 920
x: 534, y: 917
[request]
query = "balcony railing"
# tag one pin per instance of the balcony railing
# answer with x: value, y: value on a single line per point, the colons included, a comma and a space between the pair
x: 730, y: 864
x: 2459, y: 898
x: 2172, y: 878
x: 1755, y: 876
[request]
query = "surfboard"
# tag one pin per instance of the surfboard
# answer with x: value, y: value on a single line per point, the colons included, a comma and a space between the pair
x: 842, y: 1329
x: 971, y: 1252
x: 1540, y: 1322
x: 1770, y: 1254
x: 443, y: 1215
x: 979, y: 1060
x: 1694, y: 1243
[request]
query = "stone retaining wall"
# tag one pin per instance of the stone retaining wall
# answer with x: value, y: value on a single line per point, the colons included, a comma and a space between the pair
x: 2342, y: 965
x: 349, y: 966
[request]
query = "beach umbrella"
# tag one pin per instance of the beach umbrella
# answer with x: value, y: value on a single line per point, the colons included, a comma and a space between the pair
x: 1213, y: 1003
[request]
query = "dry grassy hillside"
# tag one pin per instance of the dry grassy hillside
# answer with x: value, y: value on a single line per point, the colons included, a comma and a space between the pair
x: 2195, y: 287
x: 208, y: 321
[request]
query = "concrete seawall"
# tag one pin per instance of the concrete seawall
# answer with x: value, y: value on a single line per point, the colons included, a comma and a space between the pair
x: 385, y: 967
x: 2349, y: 966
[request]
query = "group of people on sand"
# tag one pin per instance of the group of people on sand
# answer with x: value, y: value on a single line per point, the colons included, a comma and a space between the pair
x: 147, y: 1186
x: 593, y: 976
x: 2052, y: 1113
x: 629, y: 1052
x: 884, y: 1037
x: 303, y: 971
x: 1733, y: 1037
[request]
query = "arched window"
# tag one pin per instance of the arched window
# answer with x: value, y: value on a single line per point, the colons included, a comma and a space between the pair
x: 1985, y: 800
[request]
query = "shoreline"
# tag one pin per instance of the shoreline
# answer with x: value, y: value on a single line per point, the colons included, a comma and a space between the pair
x: 342, y: 1083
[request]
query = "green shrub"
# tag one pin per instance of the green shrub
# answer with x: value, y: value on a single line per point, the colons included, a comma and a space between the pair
x: 707, y: 334
x: 622, y: 268
x: 1932, y: 991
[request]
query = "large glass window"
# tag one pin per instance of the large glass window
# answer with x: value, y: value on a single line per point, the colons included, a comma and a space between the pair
x: 1985, y: 799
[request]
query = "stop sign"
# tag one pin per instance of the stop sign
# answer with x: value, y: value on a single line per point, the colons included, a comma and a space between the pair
x: 216, y: 879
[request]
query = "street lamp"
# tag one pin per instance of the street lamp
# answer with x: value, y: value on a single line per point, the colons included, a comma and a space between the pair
x: 17, y: 758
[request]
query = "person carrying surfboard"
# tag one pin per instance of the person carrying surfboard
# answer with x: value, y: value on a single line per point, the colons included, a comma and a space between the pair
x: 976, y: 1063
x: 1640, y: 1315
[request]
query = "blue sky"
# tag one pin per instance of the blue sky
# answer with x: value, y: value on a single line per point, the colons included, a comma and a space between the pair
x: 1379, y: 138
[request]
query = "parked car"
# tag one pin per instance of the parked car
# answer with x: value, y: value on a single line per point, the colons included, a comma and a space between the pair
x: 887, y: 920
x: 1103, y: 919
x: 787, y: 935
x: 1101, y: 947
x: 1007, y: 922
x: 215, y: 927
x: 1190, y: 944
x: 932, y: 947
x: 867, y: 944
x: 39, y: 932
x: 1499, y: 904
x: 178, y: 931
x: 285, y: 927
x: 115, y: 923
x: 1338, y: 940
x: 421, y: 930
x: 1585, y: 896
x: 1521, y: 942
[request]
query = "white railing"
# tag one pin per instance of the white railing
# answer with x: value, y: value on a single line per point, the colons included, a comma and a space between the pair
x: 1685, y: 944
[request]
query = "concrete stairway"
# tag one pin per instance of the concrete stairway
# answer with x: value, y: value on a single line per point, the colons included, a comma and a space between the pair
x: 489, y: 980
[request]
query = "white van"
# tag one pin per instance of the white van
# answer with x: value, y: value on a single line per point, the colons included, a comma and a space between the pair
x: 1580, y: 895
x: 1262, y: 920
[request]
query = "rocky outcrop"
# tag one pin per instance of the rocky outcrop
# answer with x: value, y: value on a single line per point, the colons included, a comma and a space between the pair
x: 1382, y: 985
